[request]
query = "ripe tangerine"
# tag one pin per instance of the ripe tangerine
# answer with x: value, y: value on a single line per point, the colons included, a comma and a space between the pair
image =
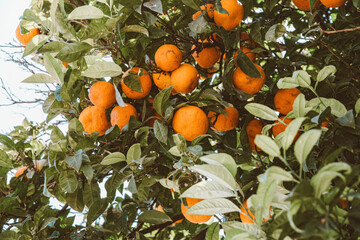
x: 121, y: 115
x: 284, y: 100
x: 222, y: 122
x: 93, y: 119
x: 233, y: 18
x: 246, y: 83
x: 168, y: 57
x: 102, y: 94
x: 185, y: 78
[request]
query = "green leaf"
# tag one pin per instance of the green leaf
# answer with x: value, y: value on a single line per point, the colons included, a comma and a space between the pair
x: 52, y: 47
x: 133, y: 82
x: 261, y: 111
x: 191, y: 3
x: 5, y: 161
x: 207, y: 190
x: 305, y: 143
x: 88, y: 171
x: 161, y: 99
x: 40, y: 78
x: 134, y: 153
x: 154, y: 5
x: 213, y: 206
x: 299, y: 106
x: 102, y: 69
x: 348, y: 120
x: 213, y: 232
x: 86, y: 12
x: 291, y: 131
x: 9, y: 235
x: 235, y: 234
x: 276, y: 173
x: 73, y: 51
x: 302, y: 78
x: 321, y: 181
x: 91, y: 193
x: 75, y: 200
x: 7, y: 142
x: 68, y: 181
x: 287, y: 82
x: 262, y: 200
x: 200, y: 25
x: 96, y: 210
x: 75, y: 161
x: 217, y: 173
x: 246, y: 65
x: 54, y: 68
x: 357, y: 107
x: 35, y: 43
x: 136, y: 29
x: 274, y: 32
x: 161, y: 131
x: 113, y: 158
x: 267, y: 145
x: 154, y: 217
x: 221, y: 158
x: 119, y: 99
x: 325, y: 72
x: 253, y: 229
x: 294, y: 208
x: 337, y: 108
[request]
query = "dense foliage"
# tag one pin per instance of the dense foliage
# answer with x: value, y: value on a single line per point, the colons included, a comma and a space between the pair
x: 309, y: 180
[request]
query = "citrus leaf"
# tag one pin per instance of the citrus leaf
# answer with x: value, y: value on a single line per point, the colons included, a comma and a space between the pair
x: 274, y: 32
x: 136, y: 29
x: 305, y: 143
x: 86, y: 12
x: 276, y: 173
x: 261, y: 111
x: 299, y: 106
x: 95, y: 211
x: 337, y: 108
x: 113, y: 158
x: 73, y: 51
x: 250, y: 228
x: 325, y: 72
x: 213, y: 232
x: 357, y: 107
x: 75, y: 161
x: 222, y: 158
x: 267, y: 145
x: 213, y: 206
x: 161, y: 131
x: 154, y: 217
x: 217, y: 173
x: 207, y: 190
x: 291, y: 131
x: 39, y: 78
x: 246, y: 65
x: 102, y: 69
x: 134, y: 153
x: 287, y: 82
x: 302, y: 78
x: 154, y: 5
x: 5, y: 161
x: 191, y: 3
x: 54, y: 68
x: 35, y: 43
x: 68, y: 181
x: 161, y: 99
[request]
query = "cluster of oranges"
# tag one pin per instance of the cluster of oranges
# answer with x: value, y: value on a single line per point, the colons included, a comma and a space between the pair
x: 305, y: 4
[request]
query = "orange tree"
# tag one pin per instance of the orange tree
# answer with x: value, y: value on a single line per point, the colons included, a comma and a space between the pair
x: 179, y: 146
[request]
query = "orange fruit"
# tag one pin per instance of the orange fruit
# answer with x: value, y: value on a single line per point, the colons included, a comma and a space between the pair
x: 190, y: 121
x: 343, y: 203
x: 185, y: 78
x: 155, y: 117
x: 245, y: 37
x: 305, y: 4
x: 192, y: 217
x: 25, y: 38
x: 247, y: 51
x: 222, y: 122
x: 121, y: 115
x: 20, y: 171
x: 208, y: 8
x: 245, y: 218
x: 159, y: 208
x: 102, y: 94
x: 254, y: 128
x: 207, y: 57
x: 279, y: 127
x: 93, y: 119
x: 210, y: 73
x: 162, y: 80
x: 231, y: 20
x: 65, y: 64
x: 145, y: 81
x: 168, y: 57
x: 246, y: 83
x: 284, y: 100
x: 333, y: 3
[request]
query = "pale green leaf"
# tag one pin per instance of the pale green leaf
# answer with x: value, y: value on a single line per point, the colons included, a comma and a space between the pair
x: 39, y: 78
x: 299, y: 106
x: 217, y: 173
x: 287, y: 82
x: 337, y: 108
x: 207, y: 190
x: 302, y: 78
x: 136, y: 29
x: 213, y: 232
x: 267, y: 145
x: 274, y: 32
x: 305, y: 143
x: 276, y: 173
x: 113, y: 158
x: 222, y: 158
x: 86, y: 12
x: 54, y: 67
x: 68, y: 181
x: 253, y: 229
x: 291, y: 131
x: 357, y: 107
x: 325, y: 72
x: 134, y: 153
x: 261, y: 111
x: 35, y: 43
x: 213, y: 206
x: 102, y: 69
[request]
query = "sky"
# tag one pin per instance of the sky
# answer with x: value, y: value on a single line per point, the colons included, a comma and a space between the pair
x: 12, y: 75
